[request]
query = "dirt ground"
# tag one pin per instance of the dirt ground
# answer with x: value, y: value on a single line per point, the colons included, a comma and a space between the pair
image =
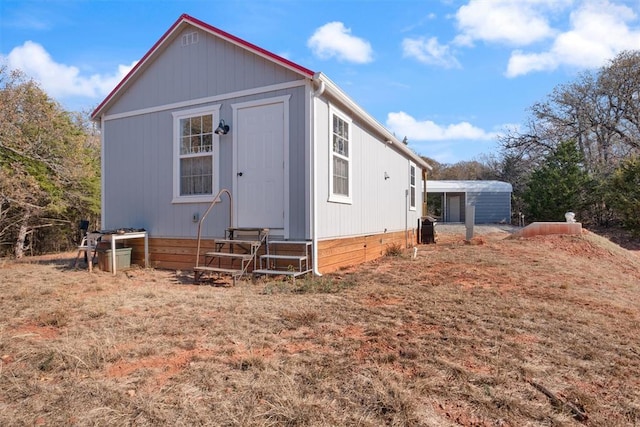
x: 492, y: 332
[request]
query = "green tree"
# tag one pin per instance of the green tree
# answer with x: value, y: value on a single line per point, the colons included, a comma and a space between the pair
x: 49, y: 169
x: 624, y: 193
x: 514, y: 169
x: 558, y: 186
x: 600, y: 112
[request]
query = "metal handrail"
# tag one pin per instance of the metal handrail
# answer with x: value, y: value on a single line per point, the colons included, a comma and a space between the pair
x: 263, y: 238
x: 213, y: 203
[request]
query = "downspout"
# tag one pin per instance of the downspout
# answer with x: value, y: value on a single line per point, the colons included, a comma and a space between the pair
x: 314, y: 183
x: 102, y: 175
x: 425, y: 208
x: 406, y: 218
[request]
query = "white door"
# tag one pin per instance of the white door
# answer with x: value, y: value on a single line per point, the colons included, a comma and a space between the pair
x: 454, y: 209
x: 260, y: 166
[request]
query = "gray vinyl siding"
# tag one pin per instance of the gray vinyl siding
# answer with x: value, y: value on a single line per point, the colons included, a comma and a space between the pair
x: 210, y: 67
x: 138, y: 149
x: 491, y: 207
x: 138, y: 179
x: 378, y: 205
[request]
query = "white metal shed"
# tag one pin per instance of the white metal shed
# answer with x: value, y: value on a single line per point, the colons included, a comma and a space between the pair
x: 492, y: 200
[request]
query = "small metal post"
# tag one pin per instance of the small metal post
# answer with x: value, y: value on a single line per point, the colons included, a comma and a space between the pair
x: 469, y: 220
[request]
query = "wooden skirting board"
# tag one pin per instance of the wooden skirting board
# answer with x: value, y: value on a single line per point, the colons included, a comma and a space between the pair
x: 333, y: 254
x: 338, y: 253
x: 172, y: 254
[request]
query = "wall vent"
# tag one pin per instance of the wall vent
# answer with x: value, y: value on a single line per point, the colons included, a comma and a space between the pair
x: 189, y: 38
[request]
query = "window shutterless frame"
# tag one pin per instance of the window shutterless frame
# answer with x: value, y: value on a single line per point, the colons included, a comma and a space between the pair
x: 340, y: 157
x: 196, y: 154
x: 412, y: 187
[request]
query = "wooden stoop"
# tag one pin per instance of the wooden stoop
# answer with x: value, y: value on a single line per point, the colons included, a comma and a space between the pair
x: 233, y: 255
x: 285, y: 258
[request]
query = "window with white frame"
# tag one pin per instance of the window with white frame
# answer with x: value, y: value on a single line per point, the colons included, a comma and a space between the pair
x: 340, y: 159
x: 195, y: 151
x: 412, y: 187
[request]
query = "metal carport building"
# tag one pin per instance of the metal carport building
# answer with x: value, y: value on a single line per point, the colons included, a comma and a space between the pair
x: 492, y: 200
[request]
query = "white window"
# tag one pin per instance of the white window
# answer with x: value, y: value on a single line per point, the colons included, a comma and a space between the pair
x: 412, y: 187
x: 195, y: 155
x: 340, y: 158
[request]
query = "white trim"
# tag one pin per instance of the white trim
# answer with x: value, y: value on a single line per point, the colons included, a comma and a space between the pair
x: 460, y: 186
x: 104, y: 174
x: 340, y: 198
x: 284, y: 100
x: 260, y: 102
x: 350, y: 104
x: 308, y: 160
x: 206, y: 100
x: 311, y: 192
x: 214, y: 110
x: 414, y: 186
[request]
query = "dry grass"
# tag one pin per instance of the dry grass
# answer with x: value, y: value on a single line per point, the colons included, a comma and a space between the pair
x: 456, y: 336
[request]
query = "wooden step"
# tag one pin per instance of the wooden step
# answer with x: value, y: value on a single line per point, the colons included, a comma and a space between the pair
x: 289, y: 242
x: 248, y: 230
x: 244, y: 257
x: 233, y: 272
x: 238, y: 242
x: 291, y: 257
x: 285, y: 251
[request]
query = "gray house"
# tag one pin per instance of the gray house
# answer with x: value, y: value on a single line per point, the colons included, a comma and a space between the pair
x: 492, y: 200
x: 205, y: 114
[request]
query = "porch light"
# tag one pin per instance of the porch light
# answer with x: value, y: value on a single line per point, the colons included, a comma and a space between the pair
x: 222, y: 129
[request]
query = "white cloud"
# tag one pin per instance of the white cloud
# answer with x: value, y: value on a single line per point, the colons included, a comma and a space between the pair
x: 60, y: 80
x: 335, y: 40
x: 512, y: 22
x: 429, y: 52
x: 403, y: 124
x: 522, y: 63
x: 599, y: 30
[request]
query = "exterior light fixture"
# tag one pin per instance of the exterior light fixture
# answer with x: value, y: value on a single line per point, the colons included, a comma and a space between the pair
x: 222, y: 129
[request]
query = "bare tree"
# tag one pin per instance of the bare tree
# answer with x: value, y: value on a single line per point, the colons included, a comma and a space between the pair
x: 599, y: 111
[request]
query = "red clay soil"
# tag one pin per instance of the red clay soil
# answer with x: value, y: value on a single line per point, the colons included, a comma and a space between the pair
x: 452, y: 338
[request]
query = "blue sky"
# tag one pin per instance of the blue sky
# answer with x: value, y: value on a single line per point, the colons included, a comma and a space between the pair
x: 449, y: 75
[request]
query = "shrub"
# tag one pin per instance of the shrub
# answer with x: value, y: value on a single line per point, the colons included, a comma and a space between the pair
x: 393, y: 249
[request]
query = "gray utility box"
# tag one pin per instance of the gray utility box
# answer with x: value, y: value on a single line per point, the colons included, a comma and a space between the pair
x: 123, y: 258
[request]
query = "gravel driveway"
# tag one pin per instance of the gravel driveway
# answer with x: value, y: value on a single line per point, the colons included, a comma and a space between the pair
x: 477, y: 229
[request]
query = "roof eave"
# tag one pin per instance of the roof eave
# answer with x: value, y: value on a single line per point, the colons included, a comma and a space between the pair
x: 187, y: 19
x: 341, y: 96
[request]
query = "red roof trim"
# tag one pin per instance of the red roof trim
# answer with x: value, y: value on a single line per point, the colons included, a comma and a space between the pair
x: 186, y: 18
x: 249, y: 46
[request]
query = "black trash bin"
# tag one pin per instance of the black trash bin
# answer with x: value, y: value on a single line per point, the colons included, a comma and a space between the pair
x: 428, y: 230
